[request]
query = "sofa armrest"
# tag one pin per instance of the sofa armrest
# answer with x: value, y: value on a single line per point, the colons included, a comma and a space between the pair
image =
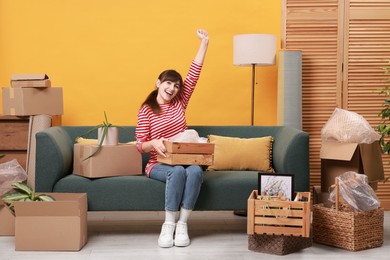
x: 54, y: 157
x: 291, y: 156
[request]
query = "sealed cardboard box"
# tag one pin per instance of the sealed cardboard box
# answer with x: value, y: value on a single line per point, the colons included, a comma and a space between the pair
x: 180, y: 153
x: 30, y: 81
x: 337, y: 158
x: 115, y: 160
x: 59, y: 225
x: 32, y: 101
x: 7, y: 221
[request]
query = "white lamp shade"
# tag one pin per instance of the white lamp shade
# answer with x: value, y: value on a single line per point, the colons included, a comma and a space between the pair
x: 254, y: 49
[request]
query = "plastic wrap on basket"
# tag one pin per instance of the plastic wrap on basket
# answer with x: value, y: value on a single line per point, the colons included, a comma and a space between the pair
x: 356, y: 192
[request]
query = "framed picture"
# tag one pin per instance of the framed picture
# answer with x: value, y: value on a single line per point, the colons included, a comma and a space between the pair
x: 271, y: 184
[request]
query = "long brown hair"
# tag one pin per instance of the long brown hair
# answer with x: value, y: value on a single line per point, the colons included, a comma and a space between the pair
x: 166, y: 75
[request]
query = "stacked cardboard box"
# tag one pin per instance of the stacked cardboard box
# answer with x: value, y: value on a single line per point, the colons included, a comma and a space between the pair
x: 31, y: 94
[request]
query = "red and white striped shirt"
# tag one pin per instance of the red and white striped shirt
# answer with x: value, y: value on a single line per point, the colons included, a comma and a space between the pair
x: 172, y: 119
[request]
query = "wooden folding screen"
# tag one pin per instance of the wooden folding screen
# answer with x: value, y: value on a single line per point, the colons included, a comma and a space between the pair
x: 345, y: 45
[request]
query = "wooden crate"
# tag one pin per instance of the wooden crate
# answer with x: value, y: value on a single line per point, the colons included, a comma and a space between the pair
x: 187, y: 153
x: 275, y: 217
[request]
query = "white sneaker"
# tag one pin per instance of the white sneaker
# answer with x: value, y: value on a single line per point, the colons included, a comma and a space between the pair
x: 166, y: 236
x: 181, y: 235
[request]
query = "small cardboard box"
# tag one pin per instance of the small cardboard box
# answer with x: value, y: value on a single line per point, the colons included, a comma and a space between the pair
x: 115, y: 160
x: 32, y: 101
x: 30, y: 81
x: 337, y: 158
x: 59, y: 225
x: 7, y: 221
x: 179, y: 153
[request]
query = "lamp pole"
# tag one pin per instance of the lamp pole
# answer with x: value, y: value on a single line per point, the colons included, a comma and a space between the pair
x: 253, y: 94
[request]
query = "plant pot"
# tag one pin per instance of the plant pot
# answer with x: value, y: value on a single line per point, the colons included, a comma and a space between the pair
x: 111, y: 137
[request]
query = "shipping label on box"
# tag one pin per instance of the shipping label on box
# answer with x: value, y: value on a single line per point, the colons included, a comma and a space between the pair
x: 180, y: 153
x: 7, y: 221
x: 32, y: 101
x: 338, y: 158
x: 115, y: 160
x: 59, y: 225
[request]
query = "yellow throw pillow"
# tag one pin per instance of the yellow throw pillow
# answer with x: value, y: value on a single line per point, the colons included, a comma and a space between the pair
x: 233, y: 153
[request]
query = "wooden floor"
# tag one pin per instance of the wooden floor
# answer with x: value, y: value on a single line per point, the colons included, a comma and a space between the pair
x: 214, y: 235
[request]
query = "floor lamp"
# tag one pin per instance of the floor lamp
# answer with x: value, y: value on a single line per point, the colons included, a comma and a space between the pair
x: 254, y: 50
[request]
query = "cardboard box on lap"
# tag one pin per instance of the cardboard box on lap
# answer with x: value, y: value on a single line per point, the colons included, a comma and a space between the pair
x: 337, y: 158
x: 59, y: 225
x: 115, y: 160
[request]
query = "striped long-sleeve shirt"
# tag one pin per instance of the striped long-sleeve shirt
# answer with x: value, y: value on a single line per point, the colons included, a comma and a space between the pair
x: 172, y: 119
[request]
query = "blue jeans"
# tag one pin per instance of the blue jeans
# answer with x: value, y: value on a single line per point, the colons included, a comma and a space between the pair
x: 182, y: 184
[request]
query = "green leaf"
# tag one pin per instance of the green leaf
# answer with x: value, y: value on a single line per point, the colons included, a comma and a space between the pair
x: 44, y: 197
x: 22, y: 188
x: 15, y: 196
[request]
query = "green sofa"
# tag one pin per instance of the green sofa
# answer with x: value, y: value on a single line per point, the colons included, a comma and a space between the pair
x: 221, y: 190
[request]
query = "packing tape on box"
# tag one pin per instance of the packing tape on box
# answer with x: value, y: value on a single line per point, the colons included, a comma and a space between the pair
x: 12, y: 110
x: 82, y: 163
x: 11, y: 93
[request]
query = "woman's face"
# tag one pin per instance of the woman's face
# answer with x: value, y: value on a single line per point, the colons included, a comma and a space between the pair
x: 167, y: 90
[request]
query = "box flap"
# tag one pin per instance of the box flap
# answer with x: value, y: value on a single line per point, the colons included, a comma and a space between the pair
x: 371, y: 156
x: 66, y: 204
x: 39, y: 76
x: 7, y: 221
x: 337, y: 151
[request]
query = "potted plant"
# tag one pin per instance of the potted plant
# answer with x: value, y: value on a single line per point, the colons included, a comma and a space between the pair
x: 23, y: 192
x: 384, y: 128
x: 107, y: 135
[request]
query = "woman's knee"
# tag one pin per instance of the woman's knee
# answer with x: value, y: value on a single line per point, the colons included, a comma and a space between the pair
x: 195, y: 171
x: 177, y: 172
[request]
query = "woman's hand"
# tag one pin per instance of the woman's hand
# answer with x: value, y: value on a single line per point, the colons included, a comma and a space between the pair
x: 202, y: 34
x: 204, y: 37
x: 159, y: 146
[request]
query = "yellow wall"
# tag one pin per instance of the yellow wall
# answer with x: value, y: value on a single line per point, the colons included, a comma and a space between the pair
x: 106, y: 55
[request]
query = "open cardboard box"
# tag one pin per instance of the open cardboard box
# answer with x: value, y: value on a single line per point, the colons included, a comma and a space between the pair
x: 111, y: 160
x: 181, y: 153
x: 32, y: 101
x: 338, y: 158
x: 59, y: 225
x: 30, y: 81
x: 7, y: 221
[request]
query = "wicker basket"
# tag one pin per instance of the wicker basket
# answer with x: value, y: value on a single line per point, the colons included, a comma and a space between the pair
x: 341, y: 227
x: 278, y: 244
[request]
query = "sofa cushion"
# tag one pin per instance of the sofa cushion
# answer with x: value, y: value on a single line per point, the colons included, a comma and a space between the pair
x: 233, y: 153
x: 221, y: 190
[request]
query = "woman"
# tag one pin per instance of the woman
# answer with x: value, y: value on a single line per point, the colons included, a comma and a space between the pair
x: 161, y: 116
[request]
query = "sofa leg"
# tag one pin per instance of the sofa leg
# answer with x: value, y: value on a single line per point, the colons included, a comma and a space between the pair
x: 242, y: 213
